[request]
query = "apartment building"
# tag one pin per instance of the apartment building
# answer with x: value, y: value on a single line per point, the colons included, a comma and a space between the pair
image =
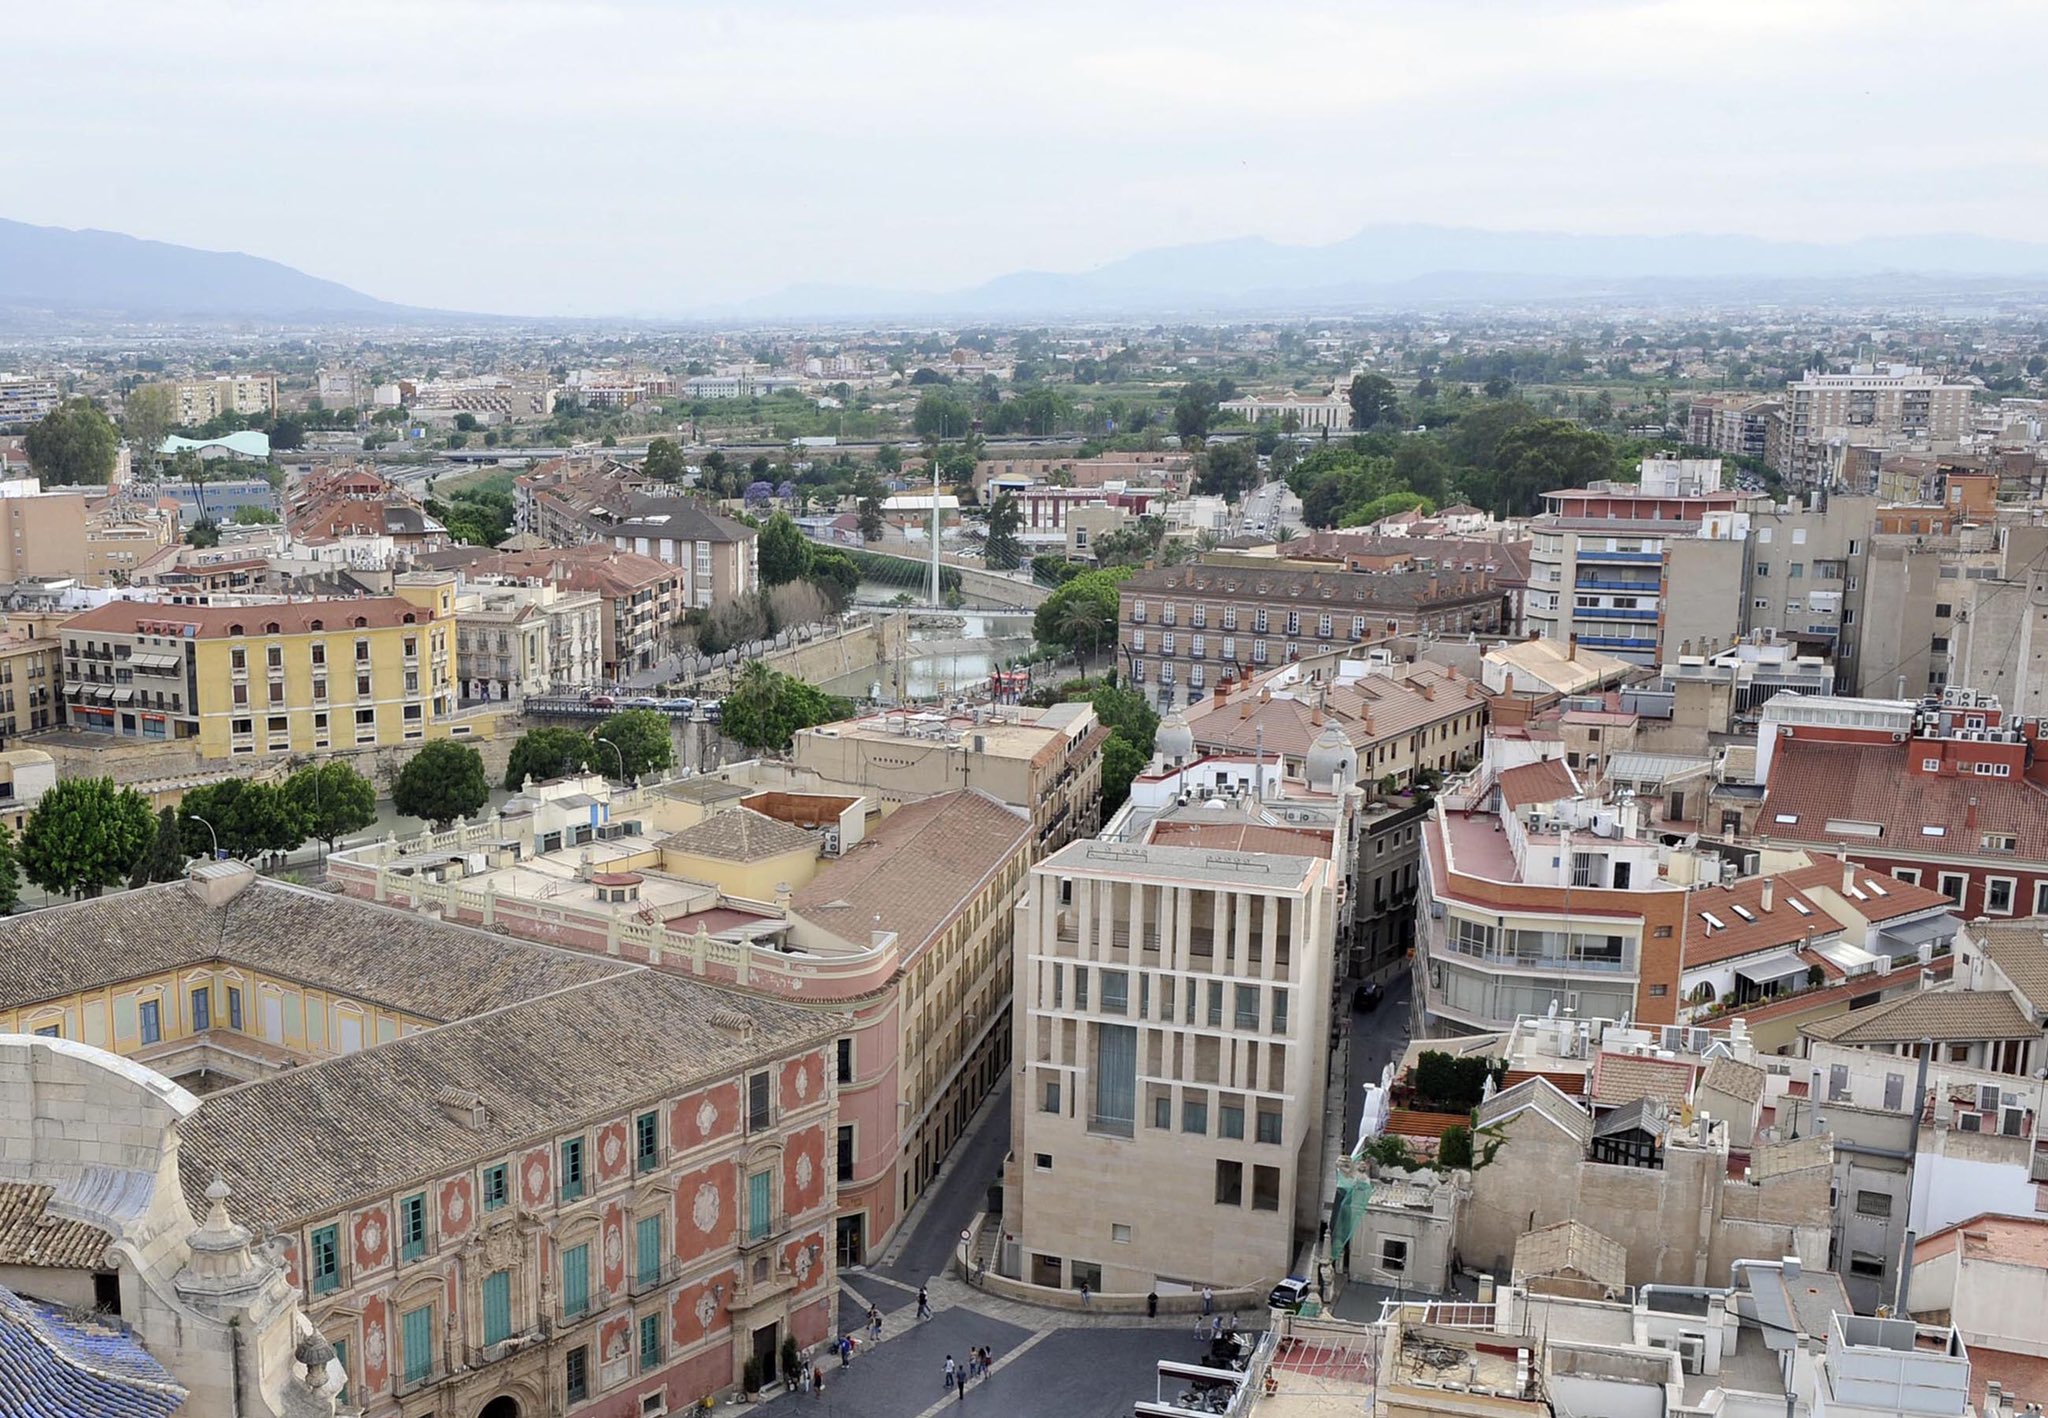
x: 718, y: 558
x: 25, y: 400
x: 268, y: 676
x: 1868, y: 405
x: 643, y: 598
x: 513, y: 640
x: 249, y: 395
x: 31, y: 669
x: 1733, y: 425
x: 1170, y: 471
x: 1180, y: 625
x: 1171, y: 1030
x: 84, y: 533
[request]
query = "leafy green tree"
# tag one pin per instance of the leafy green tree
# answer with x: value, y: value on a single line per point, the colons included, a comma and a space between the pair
x: 642, y: 739
x: 870, y: 511
x: 1545, y: 454
x: 1194, y: 410
x: 1385, y: 506
x: 203, y: 534
x: 767, y: 707
x: 146, y: 417
x: 1373, y: 401
x: 835, y: 573
x: 542, y: 754
x: 85, y: 835
x: 784, y: 554
x: 1125, y: 713
x: 941, y: 413
x: 1080, y: 616
x: 889, y: 458
x: 1454, y: 1148
x: 10, y: 871
x: 74, y: 443
x: 1422, y: 466
x: 1228, y: 470
x: 443, y: 781
x: 1474, y: 440
x: 332, y: 800
x: 1121, y: 762
x: 664, y: 461
x: 1004, y: 551
x: 247, y: 819
x: 166, y: 858
x: 250, y: 515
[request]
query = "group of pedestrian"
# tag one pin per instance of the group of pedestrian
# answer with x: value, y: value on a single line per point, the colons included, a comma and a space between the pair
x: 977, y: 1367
x: 1212, y: 1327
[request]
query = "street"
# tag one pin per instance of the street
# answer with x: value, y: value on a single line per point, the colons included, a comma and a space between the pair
x: 1377, y: 1038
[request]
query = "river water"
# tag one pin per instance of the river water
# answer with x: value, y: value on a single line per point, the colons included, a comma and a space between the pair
x: 985, y: 639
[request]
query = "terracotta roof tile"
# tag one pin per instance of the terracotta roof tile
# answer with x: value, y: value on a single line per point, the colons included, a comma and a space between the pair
x: 1408, y: 1122
x: 1240, y: 837
x: 1929, y: 1014
x: 1571, y: 1246
x: 1625, y: 1078
x: 1816, y: 783
x: 2020, y: 950
x: 1545, y: 781
x: 291, y: 617
x: 739, y: 834
x: 31, y: 1235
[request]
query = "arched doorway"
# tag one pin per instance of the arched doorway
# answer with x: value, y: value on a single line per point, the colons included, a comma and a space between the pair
x: 503, y: 1406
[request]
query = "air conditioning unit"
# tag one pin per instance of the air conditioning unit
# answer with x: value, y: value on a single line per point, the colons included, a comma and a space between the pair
x: 1692, y: 1353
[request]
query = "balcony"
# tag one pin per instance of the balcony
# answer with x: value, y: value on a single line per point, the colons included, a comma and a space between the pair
x: 666, y: 1273
x: 1583, y: 613
x: 1641, y: 558
x: 1610, y: 583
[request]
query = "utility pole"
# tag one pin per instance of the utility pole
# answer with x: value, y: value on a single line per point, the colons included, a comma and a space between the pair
x: 935, y: 522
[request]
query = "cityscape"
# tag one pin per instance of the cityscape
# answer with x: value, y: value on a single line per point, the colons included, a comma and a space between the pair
x: 638, y: 787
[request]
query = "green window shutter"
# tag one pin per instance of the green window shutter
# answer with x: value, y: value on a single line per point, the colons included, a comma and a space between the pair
x: 341, y: 1358
x: 650, y: 1341
x: 326, y: 1260
x: 572, y: 1169
x: 760, y: 1195
x: 412, y: 1227
x: 648, y: 1236
x: 576, y: 1280
x: 497, y: 1306
x: 646, y: 1136
x: 417, y: 1333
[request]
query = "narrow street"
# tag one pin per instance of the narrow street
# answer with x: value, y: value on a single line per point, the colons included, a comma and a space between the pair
x: 1378, y: 1037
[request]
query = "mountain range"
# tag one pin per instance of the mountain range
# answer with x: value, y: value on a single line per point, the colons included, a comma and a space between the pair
x: 55, y: 273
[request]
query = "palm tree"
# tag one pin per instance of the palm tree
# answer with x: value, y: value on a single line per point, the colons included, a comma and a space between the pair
x: 1284, y: 534
x: 1081, y: 623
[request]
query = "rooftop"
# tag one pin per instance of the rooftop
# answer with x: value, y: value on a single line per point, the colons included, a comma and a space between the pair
x: 1858, y: 794
x: 739, y: 834
x: 1571, y: 1246
x: 1194, y: 866
x: 2006, y: 1240
x: 33, y: 1235
x: 1942, y: 1015
x: 2020, y: 950
x: 54, y: 1364
x: 257, y: 618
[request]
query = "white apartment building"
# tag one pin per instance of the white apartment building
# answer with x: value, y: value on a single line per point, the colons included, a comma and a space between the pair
x: 1171, y: 1015
x: 203, y: 399
x: 25, y: 400
x: 1868, y: 405
x: 514, y: 640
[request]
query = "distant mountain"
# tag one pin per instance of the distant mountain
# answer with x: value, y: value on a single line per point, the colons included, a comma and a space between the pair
x: 53, y: 269
x: 1409, y: 263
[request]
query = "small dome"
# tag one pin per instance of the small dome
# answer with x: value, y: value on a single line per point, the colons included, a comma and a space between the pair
x: 1175, y: 741
x: 1330, y: 755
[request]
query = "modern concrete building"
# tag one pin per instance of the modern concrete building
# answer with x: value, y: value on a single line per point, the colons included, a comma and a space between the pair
x: 1171, y: 1031
x: 1868, y: 404
x: 202, y: 399
x: 88, y: 533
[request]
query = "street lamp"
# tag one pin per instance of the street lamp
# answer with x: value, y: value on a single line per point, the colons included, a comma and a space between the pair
x: 616, y: 753
x: 209, y: 832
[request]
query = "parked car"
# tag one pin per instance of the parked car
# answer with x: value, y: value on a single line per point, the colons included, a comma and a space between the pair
x: 1289, y: 1294
x: 643, y: 701
x: 1367, y: 996
x: 601, y: 701
x: 707, y: 710
x: 678, y: 706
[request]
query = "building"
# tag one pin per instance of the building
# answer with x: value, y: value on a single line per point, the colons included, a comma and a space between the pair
x: 1045, y: 762
x: 98, y: 537
x: 244, y: 395
x: 366, y: 513
x: 247, y: 445
x: 1175, y: 622
x: 1170, y: 1035
x: 1870, y: 404
x: 1170, y: 471
x: 30, y: 680
x: 643, y: 598
x: 718, y: 558
x: 1988, y: 1276
x: 268, y: 676
x: 1547, y: 668
x: 1324, y: 413
x: 513, y: 640
x: 589, y: 1184
x: 1732, y: 425
x: 216, y: 499
x: 25, y: 400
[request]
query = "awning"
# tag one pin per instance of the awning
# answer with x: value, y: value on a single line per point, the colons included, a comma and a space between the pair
x: 1907, y: 937
x: 124, y: 696
x: 1778, y: 965
x: 104, y: 693
x: 153, y: 660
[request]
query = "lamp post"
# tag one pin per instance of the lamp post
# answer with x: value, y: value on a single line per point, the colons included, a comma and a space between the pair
x: 617, y: 753
x: 209, y: 832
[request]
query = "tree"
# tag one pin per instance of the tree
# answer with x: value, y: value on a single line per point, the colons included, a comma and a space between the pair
x: 1541, y: 455
x: 1365, y: 514
x: 1003, y: 551
x: 542, y: 754
x: 1228, y: 470
x: 1194, y: 410
x: 870, y: 508
x: 1372, y: 401
x: 445, y: 780
x: 1132, y: 725
x: 941, y: 413
x: 642, y: 739
x: 889, y: 458
x: 784, y: 554
x: 1121, y: 762
x: 332, y: 800
x: 835, y: 573
x: 246, y: 819
x: 204, y: 533
x: 85, y: 835
x: 251, y: 515
x: 10, y: 872
x: 146, y: 417
x: 73, y: 443
x: 767, y: 707
x: 191, y: 469
x: 166, y: 858
x: 1058, y: 625
x: 664, y: 461
x: 1083, y: 626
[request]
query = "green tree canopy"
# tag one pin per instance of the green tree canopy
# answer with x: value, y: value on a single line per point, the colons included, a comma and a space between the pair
x: 542, y: 754
x: 86, y: 834
x: 767, y: 707
x: 1004, y: 551
x: 1373, y: 402
x: 73, y: 443
x: 784, y: 554
x: 664, y: 461
x: 251, y: 515
x: 1121, y: 762
x: 146, y: 417
x: 1228, y: 470
x: 1194, y: 410
x: 942, y: 413
x: 1080, y: 615
x: 10, y: 871
x: 1542, y: 455
x: 332, y: 800
x: 247, y: 818
x: 443, y: 781
x: 642, y: 739
x: 1384, y: 506
x: 166, y: 858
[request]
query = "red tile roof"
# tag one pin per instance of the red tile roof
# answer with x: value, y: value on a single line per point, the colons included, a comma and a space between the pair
x: 1542, y: 782
x: 1241, y: 837
x: 1816, y: 783
x: 1572, y: 1085
x: 1625, y: 1078
x: 1794, y: 919
x: 1407, y: 1122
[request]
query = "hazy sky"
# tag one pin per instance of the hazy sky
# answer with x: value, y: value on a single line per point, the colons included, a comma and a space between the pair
x: 664, y: 155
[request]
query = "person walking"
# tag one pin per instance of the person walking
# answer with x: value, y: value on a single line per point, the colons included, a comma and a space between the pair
x: 1084, y: 1295
x: 874, y: 1325
x: 949, y: 1371
x: 963, y: 1386
x: 1152, y: 1306
x: 924, y: 1304
x: 1208, y: 1300
x: 817, y: 1380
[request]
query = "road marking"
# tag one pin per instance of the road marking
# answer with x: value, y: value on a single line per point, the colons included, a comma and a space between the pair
x: 954, y: 1399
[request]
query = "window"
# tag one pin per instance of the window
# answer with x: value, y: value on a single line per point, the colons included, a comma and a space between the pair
x: 1873, y: 1204
x: 234, y: 1008
x: 341, y: 1358
x: 1051, y: 1099
x: 575, y: 1280
x: 1215, y: 1004
x: 497, y: 1307
x: 1194, y: 1115
x: 152, y: 1021
x: 846, y: 1060
x: 646, y: 1143
x: 1230, y: 1184
x: 576, y: 1372
x: 1796, y: 571
x: 1042, y: 1161
x: 1930, y: 765
x: 757, y: 1102
x: 1247, y: 1006
x: 1864, y: 1263
x: 2041, y: 898
x: 1120, y: 1233
x: 572, y: 1169
x: 202, y: 1009
x: 1230, y: 1121
x: 1944, y: 610
x: 1080, y: 987
x: 412, y: 1227
x: 1265, y: 1188
x: 760, y: 1204
x: 325, y: 1260
x: 650, y: 1341
x: 1116, y: 992
x: 416, y: 1332
x: 1953, y: 884
x: 1269, y: 1125
x: 495, y: 1191
x: 1763, y: 568
x: 1162, y: 1112
x: 843, y: 1153
x: 1280, y: 1009
x: 647, y: 1250
x: 362, y: 652
x: 238, y: 658
x: 1998, y: 895
x: 1393, y: 1255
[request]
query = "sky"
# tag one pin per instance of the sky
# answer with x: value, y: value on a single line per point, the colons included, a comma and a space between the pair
x: 560, y: 157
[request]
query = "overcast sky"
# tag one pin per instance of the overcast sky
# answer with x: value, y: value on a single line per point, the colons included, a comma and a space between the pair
x: 665, y: 155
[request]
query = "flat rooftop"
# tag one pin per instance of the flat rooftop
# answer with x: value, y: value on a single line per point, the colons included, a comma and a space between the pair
x: 1193, y: 865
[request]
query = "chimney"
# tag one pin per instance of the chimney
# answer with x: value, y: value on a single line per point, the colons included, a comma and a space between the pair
x: 1572, y: 646
x: 1970, y: 816
x: 1926, y: 979
x: 1848, y: 869
x: 1766, y: 901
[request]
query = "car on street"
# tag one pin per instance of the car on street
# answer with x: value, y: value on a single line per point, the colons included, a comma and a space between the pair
x: 708, y: 710
x: 601, y: 701
x: 1289, y: 1294
x: 1367, y: 996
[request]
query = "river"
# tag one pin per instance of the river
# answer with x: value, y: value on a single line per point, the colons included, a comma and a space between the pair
x: 984, y: 639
